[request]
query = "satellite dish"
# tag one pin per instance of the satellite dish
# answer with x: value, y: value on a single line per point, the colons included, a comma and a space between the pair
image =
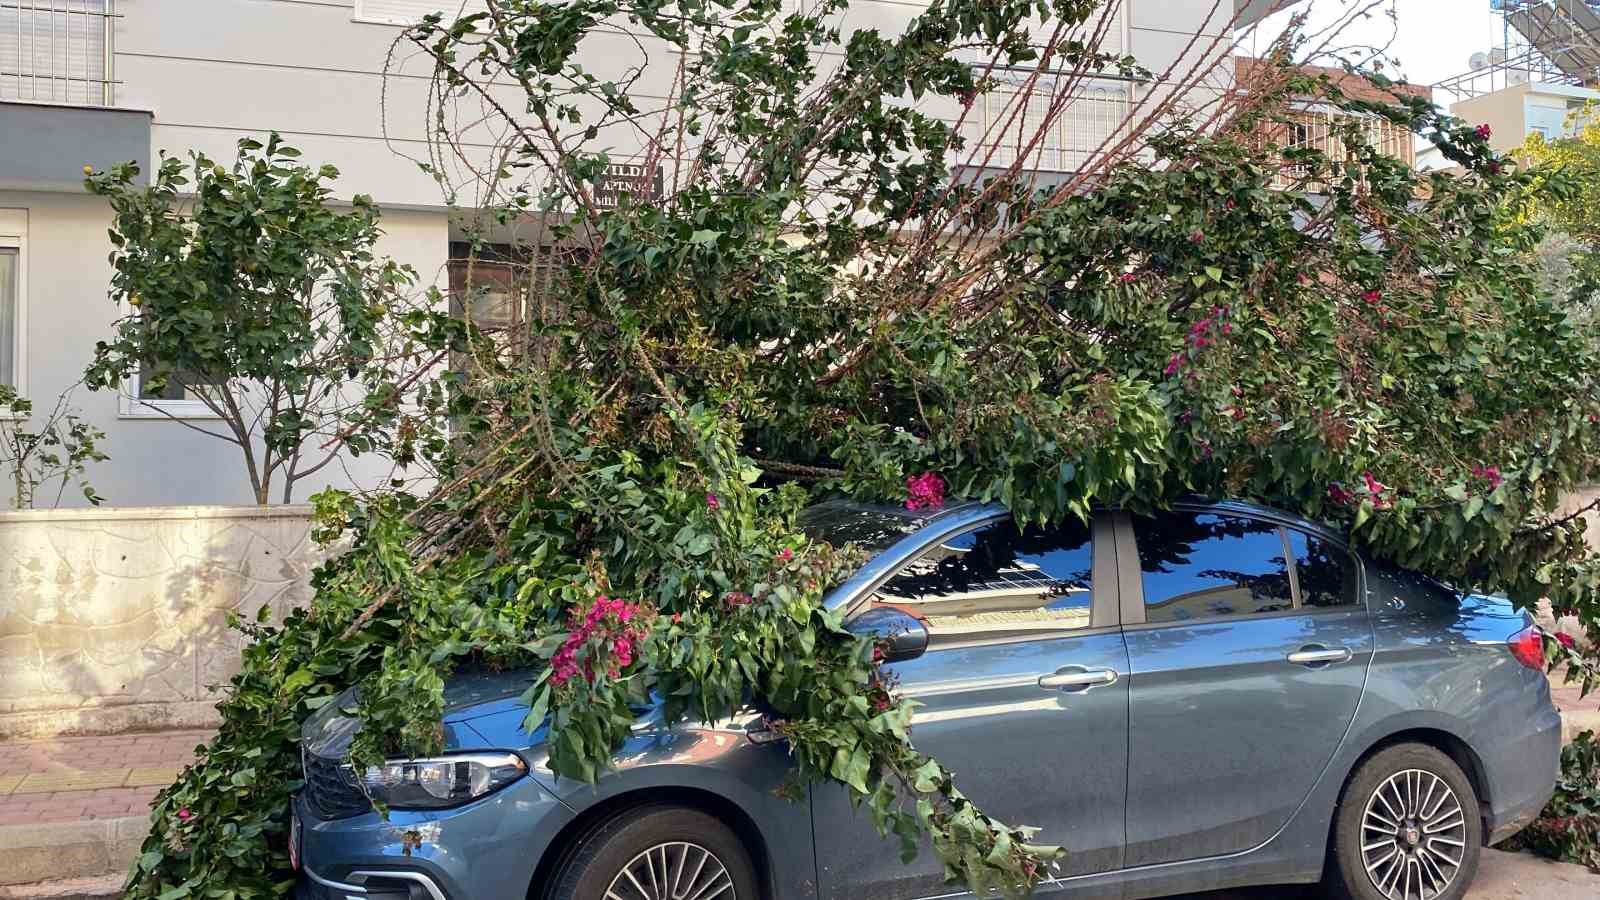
x: 1497, y: 55
x: 1517, y: 77
x: 1477, y: 61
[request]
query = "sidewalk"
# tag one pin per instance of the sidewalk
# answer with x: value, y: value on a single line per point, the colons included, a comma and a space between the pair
x: 73, y: 807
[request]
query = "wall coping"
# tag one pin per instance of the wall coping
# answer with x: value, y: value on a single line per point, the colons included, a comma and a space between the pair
x: 151, y: 513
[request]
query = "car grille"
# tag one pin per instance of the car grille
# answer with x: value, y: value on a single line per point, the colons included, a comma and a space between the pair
x: 331, y: 788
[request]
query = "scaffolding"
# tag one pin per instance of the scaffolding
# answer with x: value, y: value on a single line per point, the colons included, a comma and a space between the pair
x: 1542, y: 42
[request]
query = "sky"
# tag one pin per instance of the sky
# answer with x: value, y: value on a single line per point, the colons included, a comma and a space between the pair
x: 1432, y: 39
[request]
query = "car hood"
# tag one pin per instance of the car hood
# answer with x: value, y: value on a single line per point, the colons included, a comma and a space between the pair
x: 468, y: 695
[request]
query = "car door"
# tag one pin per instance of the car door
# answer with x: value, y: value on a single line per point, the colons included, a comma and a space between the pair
x: 1248, y: 652
x: 1022, y: 694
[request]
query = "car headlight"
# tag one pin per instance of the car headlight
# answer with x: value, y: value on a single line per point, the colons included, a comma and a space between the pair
x: 441, y: 782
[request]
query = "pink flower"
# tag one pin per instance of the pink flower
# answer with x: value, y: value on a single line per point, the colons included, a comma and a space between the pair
x: 1375, y: 489
x: 736, y: 599
x: 1565, y: 640
x: 1129, y: 278
x: 677, y: 618
x: 1494, y: 167
x: 711, y: 501
x: 184, y: 815
x: 1230, y: 204
x: 1483, y: 131
x: 926, y: 490
x: 1371, y: 296
x: 785, y: 554
x: 1339, y: 495
x: 1173, y: 365
x: 1490, y: 474
x: 1197, y: 237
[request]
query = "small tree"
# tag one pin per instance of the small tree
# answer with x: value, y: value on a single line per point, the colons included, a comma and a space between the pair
x: 249, y: 291
x: 58, y: 450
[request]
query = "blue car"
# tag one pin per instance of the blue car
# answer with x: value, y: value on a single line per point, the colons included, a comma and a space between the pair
x: 1214, y: 696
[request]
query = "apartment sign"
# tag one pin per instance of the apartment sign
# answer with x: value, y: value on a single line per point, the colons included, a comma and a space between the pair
x: 627, y: 179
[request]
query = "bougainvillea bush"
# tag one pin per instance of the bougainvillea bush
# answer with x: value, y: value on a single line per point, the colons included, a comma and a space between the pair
x: 844, y: 288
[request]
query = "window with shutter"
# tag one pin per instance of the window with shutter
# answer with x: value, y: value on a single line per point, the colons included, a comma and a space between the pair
x: 1095, y: 114
x: 54, y: 51
x: 410, y: 12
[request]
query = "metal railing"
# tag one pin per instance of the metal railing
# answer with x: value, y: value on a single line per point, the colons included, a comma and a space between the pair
x: 58, y: 51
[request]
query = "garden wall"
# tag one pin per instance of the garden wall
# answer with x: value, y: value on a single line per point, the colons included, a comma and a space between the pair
x: 114, y: 619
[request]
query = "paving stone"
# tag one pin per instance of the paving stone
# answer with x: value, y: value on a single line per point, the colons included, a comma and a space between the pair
x: 46, y: 782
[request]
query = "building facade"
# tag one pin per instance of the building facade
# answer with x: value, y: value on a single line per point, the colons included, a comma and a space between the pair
x: 94, y: 82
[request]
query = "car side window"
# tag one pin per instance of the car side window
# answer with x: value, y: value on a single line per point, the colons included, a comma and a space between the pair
x: 1202, y: 565
x: 998, y: 582
x: 1325, y: 571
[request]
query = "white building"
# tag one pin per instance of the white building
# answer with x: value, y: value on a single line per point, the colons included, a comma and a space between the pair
x: 93, y: 82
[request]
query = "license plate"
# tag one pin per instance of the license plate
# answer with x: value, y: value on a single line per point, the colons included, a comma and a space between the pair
x: 294, y: 841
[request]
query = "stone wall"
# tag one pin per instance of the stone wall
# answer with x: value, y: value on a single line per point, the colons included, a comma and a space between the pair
x: 114, y: 619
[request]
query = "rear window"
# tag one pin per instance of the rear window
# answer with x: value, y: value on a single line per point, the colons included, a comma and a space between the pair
x: 840, y: 522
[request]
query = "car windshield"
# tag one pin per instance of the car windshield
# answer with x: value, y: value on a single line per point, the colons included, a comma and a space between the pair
x: 872, y: 528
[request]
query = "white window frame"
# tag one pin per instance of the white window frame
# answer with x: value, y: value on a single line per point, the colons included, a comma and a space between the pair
x: 132, y: 406
x: 361, y: 13
x: 14, y: 236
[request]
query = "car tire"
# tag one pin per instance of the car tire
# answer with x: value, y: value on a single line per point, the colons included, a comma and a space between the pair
x: 1408, y: 793
x: 647, y: 852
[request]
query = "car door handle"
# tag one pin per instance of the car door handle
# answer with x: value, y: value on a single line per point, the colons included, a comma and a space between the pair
x: 1316, y: 655
x: 1069, y: 678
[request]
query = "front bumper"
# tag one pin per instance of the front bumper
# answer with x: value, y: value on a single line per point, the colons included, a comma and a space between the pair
x: 370, y: 885
x: 486, y: 850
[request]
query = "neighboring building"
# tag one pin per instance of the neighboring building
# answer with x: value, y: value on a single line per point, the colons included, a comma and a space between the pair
x: 1543, y: 74
x: 1515, y: 112
x: 1314, y: 123
x: 102, y: 81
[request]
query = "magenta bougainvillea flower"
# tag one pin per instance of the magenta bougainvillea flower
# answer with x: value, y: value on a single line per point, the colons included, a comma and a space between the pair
x: 1490, y: 475
x: 1372, y: 296
x: 712, y: 502
x: 1565, y: 640
x: 785, y: 554
x: 609, y: 621
x: 1129, y: 278
x: 926, y: 490
x: 1339, y: 495
x: 1483, y: 131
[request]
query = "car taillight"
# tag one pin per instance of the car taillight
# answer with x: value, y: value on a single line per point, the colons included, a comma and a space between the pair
x: 1527, y: 646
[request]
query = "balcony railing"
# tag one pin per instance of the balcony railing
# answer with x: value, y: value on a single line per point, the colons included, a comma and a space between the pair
x: 58, y: 51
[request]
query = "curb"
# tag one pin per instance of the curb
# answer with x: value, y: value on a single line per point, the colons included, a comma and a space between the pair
x: 53, y: 851
x: 105, y: 888
x: 1575, y: 722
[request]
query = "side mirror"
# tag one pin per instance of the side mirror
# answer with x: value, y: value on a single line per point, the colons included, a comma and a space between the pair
x: 904, y: 635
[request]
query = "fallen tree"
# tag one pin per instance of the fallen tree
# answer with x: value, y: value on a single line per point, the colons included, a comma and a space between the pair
x: 840, y: 291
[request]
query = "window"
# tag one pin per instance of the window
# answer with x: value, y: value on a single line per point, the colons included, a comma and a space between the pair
x: 179, y: 386
x: 1197, y: 566
x: 410, y: 12
x: 13, y: 297
x: 55, y: 52
x: 1325, y: 571
x: 998, y: 582
x: 10, y: 272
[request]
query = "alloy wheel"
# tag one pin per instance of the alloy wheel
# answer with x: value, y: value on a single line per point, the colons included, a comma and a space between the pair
x: 673, y: 871
x: 1413, y: 836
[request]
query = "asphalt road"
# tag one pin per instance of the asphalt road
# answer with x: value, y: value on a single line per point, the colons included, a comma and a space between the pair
x: 1501, y: 876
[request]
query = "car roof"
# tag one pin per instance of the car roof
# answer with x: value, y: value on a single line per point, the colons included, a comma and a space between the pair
x: 918, y: 520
